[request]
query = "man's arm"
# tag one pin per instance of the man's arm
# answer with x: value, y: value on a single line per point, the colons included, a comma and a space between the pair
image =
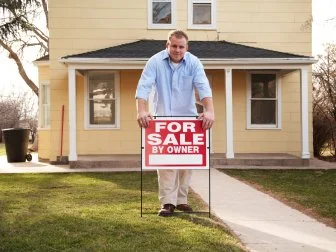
x: 208, y: 116
x: 145, y: 85
x: 202, y: 85
x: 143, y: 116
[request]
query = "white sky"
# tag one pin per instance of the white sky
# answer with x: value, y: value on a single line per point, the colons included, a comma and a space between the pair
x: 324, y: 31
x: 324, y: 24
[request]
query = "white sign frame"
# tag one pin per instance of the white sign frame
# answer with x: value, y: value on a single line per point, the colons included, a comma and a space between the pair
x: 176, y: 161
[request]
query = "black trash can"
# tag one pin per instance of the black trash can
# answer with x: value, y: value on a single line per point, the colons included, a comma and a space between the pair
x: 16, y: 143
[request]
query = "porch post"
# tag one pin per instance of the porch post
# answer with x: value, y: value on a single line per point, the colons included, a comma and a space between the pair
x: 304, y: 114
x: 229, y: 117
x: 72, y: 114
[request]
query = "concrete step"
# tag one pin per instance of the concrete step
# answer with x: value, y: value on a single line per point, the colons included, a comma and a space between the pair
x: 216, y: 160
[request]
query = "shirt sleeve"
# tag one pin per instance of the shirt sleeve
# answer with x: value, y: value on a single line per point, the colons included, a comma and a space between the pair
x: 147, y: 80
x: 201, y: 82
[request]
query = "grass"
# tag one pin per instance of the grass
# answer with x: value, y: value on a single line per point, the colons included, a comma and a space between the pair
x: 2, y: 149
x: 310, y: 191
x: 98, y: 212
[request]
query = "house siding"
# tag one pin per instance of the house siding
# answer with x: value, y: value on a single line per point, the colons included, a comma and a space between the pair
x: 79, y: 26
x: 271, y: 24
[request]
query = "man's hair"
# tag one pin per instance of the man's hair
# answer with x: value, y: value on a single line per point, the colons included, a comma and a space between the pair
x: 178, y: 34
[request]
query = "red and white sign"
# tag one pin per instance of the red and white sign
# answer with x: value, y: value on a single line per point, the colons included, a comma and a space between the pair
x: 175, y: 143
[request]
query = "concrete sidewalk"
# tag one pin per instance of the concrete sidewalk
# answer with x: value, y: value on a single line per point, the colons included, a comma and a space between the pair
x: 260, y: 221
x: 38, y: 167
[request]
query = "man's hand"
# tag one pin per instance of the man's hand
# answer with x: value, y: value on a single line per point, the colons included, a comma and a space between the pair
x: 143, y: 119
x: 208, y: 118
x: 143, y: 116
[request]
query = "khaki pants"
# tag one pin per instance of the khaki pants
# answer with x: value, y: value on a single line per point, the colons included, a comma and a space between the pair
x: 174, y: 186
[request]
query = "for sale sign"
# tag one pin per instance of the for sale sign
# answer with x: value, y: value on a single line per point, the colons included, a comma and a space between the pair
x: 175, y: 143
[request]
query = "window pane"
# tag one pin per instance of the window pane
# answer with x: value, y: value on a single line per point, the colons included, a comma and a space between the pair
x: 46, y: 115
x: 101, y: 90
x: 44, y: 94
x: 45, y: 106
x: 263, y: 112
x: 101, y: 87
x: 202, y: 13
x: 47, y: 100
x: 161, y: 13
x: 263, y: 85
x: 102, y: 112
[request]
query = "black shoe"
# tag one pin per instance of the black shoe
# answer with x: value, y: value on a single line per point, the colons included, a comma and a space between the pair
x: 167, y: 210
x: 184, y: 207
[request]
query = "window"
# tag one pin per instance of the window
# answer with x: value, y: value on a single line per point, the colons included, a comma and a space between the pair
x: 263, y: 100
x: 161, y: 14
x: 201, y: 14
x: 102, y: 99
x: 44, y: 105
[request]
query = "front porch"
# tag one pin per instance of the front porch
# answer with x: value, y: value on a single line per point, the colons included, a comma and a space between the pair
x: 242, y: 125
x: 217, y: 160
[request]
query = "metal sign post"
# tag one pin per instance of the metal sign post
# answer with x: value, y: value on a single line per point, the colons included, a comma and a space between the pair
x: 175, y: 143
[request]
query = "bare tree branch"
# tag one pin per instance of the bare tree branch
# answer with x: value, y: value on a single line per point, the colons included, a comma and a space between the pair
x: 19, y: 31
x: 46, y: 12
x: 21, y: 69
x: 324, y: 102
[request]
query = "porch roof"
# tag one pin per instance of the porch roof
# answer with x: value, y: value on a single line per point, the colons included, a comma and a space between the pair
x: 222, y: 55
x: 144, y: 49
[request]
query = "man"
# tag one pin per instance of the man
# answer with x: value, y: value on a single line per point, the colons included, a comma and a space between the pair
x: 174, y: 74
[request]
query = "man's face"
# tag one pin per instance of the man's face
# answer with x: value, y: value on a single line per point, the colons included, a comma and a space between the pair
x: 177, y: 47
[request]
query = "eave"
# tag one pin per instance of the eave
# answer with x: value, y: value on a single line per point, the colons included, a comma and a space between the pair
x: 236, y: 63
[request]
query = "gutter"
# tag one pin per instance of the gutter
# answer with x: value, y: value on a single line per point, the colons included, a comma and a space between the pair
x: 205, y: 61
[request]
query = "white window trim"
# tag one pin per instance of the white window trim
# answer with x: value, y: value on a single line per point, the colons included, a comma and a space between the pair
x: 211, y: 26
x: 278, y: 124
x: 40, y: 127
x: 161, y: 26
x: 87, y: 125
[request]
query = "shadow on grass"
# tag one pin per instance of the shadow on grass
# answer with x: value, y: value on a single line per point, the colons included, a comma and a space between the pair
x: 96, y: 212
x: 34, y: 190
x: 111, y: 233
x: 44, y: 191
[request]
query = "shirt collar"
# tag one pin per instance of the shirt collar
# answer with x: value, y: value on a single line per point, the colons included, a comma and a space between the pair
x: 165, y: 55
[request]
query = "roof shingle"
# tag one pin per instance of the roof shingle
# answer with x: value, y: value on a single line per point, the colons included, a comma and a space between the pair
x: 202, y: 49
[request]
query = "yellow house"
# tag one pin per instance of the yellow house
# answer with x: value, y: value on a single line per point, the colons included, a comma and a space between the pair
x: 257, y: 56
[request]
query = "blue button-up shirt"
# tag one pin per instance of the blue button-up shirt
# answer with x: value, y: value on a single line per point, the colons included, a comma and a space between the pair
x: 173, y: 86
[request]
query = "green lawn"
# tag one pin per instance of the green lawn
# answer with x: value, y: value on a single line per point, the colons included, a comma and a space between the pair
x: 311, y: 191
x: 98, y: 212
x: 2, y: 149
